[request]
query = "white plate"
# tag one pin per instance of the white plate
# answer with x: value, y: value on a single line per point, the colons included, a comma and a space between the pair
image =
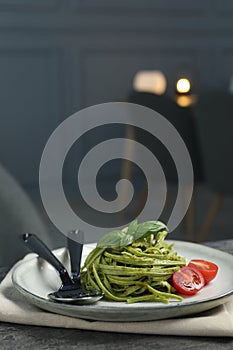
x: 35, y: 278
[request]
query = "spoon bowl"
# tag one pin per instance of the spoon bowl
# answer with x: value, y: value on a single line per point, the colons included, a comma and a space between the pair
x: 76, y: 296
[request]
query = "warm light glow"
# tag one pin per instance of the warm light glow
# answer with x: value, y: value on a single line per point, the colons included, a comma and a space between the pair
x: 186, y: 100
x: 152, y: 81
x: 183, y: 86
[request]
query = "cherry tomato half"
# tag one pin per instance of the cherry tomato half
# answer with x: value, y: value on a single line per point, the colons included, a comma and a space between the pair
x: 208, y: 269
x: 188, y: 281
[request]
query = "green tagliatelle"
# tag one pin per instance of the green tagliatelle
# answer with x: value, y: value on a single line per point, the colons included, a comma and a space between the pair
x: 137, y: 272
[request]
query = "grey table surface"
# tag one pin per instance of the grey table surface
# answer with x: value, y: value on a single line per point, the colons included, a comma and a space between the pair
x: 14, y: 336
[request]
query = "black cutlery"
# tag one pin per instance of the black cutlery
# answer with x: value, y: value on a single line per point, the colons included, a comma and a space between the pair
x: 71, y: 290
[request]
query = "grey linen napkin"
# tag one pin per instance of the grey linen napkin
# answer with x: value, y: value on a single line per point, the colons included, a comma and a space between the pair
x: 15, y: 308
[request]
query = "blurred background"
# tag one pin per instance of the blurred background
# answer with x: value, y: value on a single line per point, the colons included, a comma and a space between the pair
x: 57, y: 57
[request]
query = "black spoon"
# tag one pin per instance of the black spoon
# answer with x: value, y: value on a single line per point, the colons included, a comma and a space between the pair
x: 70, y: 291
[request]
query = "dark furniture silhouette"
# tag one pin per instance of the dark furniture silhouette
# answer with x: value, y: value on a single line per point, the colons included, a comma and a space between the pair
x: 183, y: 120
x: 214, y: 118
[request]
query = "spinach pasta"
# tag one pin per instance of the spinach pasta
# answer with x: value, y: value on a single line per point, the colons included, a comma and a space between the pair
x: 137, y: 270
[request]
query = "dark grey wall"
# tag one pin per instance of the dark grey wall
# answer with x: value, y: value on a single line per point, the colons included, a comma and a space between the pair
x: 58, y: 56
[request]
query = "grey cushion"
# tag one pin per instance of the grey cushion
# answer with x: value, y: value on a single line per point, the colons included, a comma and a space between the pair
x: 17, y: 216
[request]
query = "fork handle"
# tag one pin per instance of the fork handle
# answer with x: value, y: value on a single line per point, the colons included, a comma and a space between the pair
x: 75, y: 246
x: 39, y: 247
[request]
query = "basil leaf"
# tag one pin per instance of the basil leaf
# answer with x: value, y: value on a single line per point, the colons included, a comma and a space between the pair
x: 132, y: 227
x: 146, y: 228
x: 122, y: 238
x: 115, y: 239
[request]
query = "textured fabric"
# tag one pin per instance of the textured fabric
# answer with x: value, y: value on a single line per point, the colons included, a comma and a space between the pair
x: 214, y: 323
